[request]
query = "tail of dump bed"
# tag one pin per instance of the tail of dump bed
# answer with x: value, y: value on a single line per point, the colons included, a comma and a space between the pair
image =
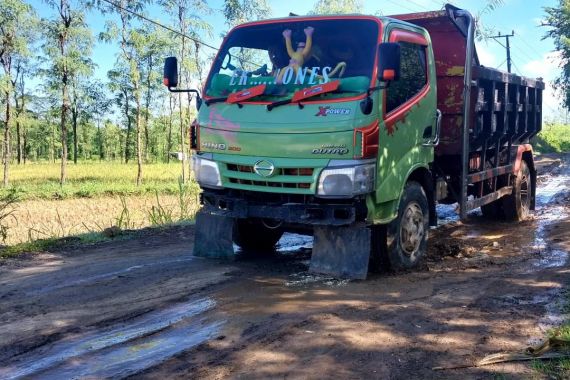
x: 488, y: 115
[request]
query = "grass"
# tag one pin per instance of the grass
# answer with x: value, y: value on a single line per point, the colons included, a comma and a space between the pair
x: 46, y: 245
x: 554, y: 138
x: 557, y: 368
x: 92, y: 179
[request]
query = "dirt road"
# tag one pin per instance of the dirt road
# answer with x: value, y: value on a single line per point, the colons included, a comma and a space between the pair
x: 147, y: 308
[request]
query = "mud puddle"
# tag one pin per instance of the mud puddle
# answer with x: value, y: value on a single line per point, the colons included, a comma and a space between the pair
x: 110, y: 275
x: 120, y: 351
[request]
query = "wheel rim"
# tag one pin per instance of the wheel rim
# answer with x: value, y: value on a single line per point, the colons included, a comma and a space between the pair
x: 412, y: 229
x: 525, y: 193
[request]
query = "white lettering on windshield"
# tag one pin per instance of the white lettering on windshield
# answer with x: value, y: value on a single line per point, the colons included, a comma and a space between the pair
x: 304, y: 76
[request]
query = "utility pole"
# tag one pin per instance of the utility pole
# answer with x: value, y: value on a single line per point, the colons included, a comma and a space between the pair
x: 507, y: 46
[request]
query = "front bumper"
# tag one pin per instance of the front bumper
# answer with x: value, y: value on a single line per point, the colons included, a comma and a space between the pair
x: 287, y: 209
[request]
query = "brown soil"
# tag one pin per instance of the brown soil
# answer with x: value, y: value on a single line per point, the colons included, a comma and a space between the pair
x: 487, y: 287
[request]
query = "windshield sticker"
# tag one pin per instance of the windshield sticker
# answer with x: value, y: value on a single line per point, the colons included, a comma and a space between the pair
x: 294, y: 73
x: 325, y: 111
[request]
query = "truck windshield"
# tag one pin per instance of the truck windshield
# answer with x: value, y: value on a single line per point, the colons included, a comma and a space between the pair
x: 288, y: 56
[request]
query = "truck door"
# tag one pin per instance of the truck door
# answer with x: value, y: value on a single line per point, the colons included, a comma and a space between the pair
x: 408, y: 114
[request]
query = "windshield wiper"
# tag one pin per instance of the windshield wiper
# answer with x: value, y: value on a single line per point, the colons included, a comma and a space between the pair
x: 307, y: 93
x: 240, y: 96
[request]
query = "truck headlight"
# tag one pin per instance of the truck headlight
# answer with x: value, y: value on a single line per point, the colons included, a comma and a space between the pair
x: 206, y: 171
x: 347, y: 181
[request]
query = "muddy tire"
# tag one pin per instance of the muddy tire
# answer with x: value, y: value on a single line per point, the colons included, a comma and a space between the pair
x: 517, y: 205
x: 407, y: 235
x: 251, y: 235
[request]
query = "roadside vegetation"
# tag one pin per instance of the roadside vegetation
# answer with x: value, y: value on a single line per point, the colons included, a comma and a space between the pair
x: 91, y: 179
x: 554, y: 138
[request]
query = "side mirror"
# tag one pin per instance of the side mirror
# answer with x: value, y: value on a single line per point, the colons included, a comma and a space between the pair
x: 389, y: 56
x: 170, y: 72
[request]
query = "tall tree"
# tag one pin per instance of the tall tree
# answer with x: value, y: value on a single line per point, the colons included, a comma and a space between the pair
x: 130, y: 40
x: 78, y: 105
x: 120, y: 85
x: 98, y: 106
x: 186, y: 15
x: 16, y: 19
x: 67, y: 45
x: 558, y: 22
x: 337, y: 7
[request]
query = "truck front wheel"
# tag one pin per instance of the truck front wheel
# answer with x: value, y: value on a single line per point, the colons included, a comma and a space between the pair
x: 517, y: 204
x: 407, y: 235
x: 253, y: 235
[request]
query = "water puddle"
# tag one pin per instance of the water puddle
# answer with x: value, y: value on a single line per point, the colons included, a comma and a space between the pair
x: 293, y: 243
x: 120, y: 351
x: 108, y: 275
x: 305, y: 278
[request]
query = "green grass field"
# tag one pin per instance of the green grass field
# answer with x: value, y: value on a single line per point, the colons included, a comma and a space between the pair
x: 92, y: 179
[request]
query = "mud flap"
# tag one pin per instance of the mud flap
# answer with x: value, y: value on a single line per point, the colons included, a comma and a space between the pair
x: 341, y: 251
x: 213, y: 237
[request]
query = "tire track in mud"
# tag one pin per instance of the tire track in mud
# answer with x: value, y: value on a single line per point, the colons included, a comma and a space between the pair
x: 123, y: 350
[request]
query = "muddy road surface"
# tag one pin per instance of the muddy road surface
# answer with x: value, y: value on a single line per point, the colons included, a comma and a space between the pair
x: 146, y: 308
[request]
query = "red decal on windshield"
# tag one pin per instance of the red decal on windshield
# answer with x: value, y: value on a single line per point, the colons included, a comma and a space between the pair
x: 245, y: 94
x: 315, y: 90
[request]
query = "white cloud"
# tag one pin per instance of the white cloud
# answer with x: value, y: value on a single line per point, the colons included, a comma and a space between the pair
x: 486, y: 57
x: 548, y: 67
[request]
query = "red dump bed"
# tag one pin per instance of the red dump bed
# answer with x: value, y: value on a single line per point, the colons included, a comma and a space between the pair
x: 505, y: 108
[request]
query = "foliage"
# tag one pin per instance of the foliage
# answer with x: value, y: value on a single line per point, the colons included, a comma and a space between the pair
x: 240, y: 11
x: 558, y: 22
x: 337, y: 7
x: 554, y: 138
x: 8, y: 204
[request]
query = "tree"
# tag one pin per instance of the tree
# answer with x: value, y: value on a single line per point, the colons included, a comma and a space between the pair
x: 68, y: 45
x: 98, y: 105
x: 240, y: 11
x: 16, y: 22
x: 130, y: 41
x: 337, y: 7
x: 120, y: 84
x: 558, y: 20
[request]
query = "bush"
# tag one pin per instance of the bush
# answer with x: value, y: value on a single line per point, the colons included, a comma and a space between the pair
x: 554, y: 138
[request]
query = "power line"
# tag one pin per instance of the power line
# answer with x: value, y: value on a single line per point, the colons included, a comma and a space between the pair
x: 159, y: 24
x: 402, y: 6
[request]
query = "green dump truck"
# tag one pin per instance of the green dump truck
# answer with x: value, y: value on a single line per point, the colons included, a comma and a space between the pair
x: 352, y: 128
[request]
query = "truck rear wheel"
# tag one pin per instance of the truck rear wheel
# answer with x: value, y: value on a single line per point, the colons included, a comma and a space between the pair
x: 254, y: 236
x: 517, y: 205
x: 407, y: 235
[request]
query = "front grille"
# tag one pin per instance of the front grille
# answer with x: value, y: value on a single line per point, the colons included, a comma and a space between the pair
x: 286, y: 185
x: 279, y: 171
x: 285, y: 179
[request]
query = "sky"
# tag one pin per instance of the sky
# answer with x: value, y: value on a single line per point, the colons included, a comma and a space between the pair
x: 532, y: 55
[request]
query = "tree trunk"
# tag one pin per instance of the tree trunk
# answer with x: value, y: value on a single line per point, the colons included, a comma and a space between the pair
x: 100, y: 142
x: 182, y: 25
x: 138, y: 125
x: 147, y: 108
x: 169, y: 140
x: 6, y: 152
x: 63, y: 127
x: 128, y: 136
x: 75, y: 137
